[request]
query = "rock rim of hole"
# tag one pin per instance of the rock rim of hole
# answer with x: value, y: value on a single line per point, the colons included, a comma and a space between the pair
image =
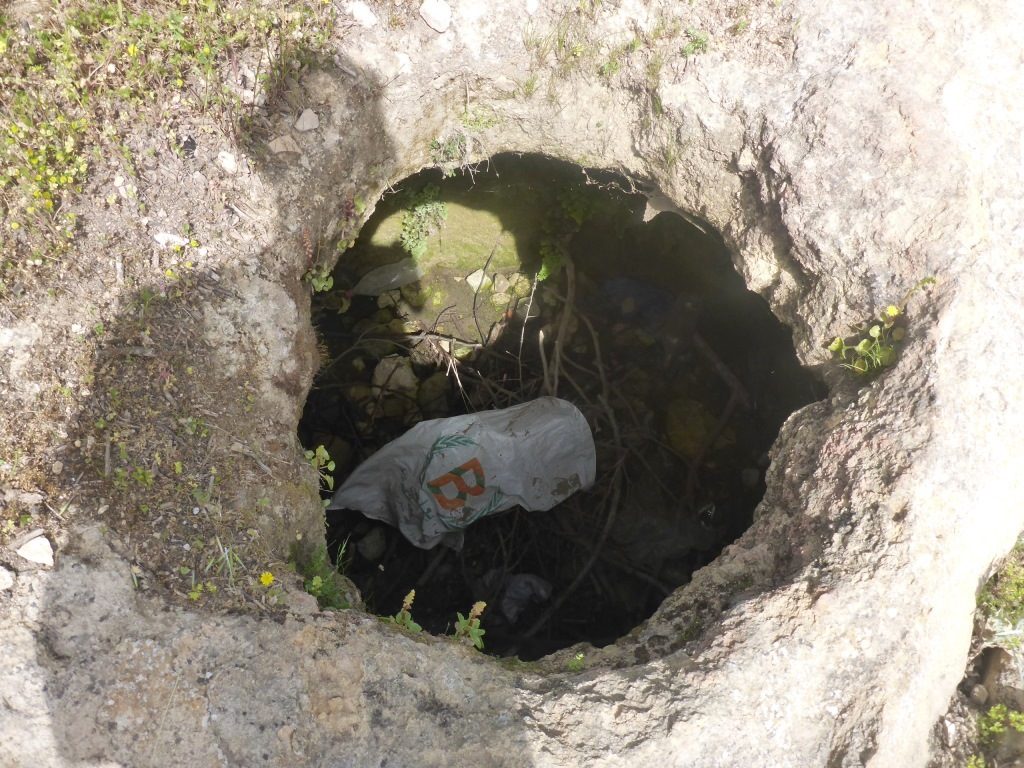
x: 842, y: 158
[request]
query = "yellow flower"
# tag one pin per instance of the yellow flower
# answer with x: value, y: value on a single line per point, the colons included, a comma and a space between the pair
x: 892, y: 311
x: 266, y: 578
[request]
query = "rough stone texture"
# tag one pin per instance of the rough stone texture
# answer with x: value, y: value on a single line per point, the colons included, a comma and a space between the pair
x: 844, y: 150
x: 437, y: 15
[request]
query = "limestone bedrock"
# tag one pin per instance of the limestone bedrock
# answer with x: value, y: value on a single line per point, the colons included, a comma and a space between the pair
x: 844, y: 150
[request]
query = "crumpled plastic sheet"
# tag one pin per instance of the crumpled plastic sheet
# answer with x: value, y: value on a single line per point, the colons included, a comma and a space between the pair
x: 445, y: 474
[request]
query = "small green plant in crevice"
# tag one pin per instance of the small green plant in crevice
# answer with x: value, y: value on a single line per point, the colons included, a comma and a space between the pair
x: 616, y: 57
x: 653, y: 71
x: 976, y: 761
x: 424, y: 215
x: 10, y: 525
x: 610, y: 67
x: 874, y: 346
x: 320, y: 278
x: 477, y: 118
x: 996, y: 721
x: 527, y: 87
x: 577, y: 663
x: 195, y: 427
x: 574, y: 207
x: 468, y: 628
x: 657, y: 106
x: 696, y: 43
x: 225, y: 562
x: 404, y: 617
x: 142, y: 476
x: 553, y: 256
x: 1001, y: 601
x: 742, y: 25
x: 448, y: 153
x: 322, y: 462
x: 324, y: 580
x: 199, y: 588
x: 1003, y: 595
x: 877, y: 350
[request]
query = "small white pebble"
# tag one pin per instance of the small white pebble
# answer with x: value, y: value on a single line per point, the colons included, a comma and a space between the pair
x: 228, y: 162
x: 57, y: 467
x: 38, y: 550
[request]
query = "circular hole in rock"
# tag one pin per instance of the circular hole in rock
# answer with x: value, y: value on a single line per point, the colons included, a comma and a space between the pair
x: 529, y: 279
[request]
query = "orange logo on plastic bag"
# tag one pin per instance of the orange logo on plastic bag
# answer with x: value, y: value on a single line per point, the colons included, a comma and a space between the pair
x: 463, y: 491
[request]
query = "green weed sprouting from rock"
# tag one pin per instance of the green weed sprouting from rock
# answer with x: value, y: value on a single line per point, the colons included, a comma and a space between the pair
x: 873, y: 348
x: 468, y: 627
x: 575, y: 206
x: 1001, y: 602
x: 877, y: 350
x: 404, y: 617
x: 553, y: 256
x: 996, y: 721
x: 616, y: 55
x: 478, y: 119
x: 322, y: 462
x: 697, y: 43
x: 425, y: 215
x: 225, y: 561
x: 320, y: 278
x: 577, y: 663
x: 448, y: 153
x: 1003, y: 595
x: 324, y: 580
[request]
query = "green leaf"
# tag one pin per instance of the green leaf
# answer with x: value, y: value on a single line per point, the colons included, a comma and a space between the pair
x: 874, y: 331
x: 837, y: 346
x: 863, y: 347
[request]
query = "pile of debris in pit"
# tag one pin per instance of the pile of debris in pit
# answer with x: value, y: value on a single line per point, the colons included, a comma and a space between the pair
x: 680, y: 448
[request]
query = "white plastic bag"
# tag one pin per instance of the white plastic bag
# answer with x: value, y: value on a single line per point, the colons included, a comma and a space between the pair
x: 442, y: 475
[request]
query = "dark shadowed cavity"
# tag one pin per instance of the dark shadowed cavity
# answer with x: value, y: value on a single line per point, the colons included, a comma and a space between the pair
x: 683, y: 375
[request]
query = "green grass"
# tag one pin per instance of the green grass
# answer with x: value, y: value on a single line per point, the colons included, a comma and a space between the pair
x: 86, y: 72
x: 323, y: 580
x: 1003, y: 596
x: 696, y: 44
x: 616, y: 56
